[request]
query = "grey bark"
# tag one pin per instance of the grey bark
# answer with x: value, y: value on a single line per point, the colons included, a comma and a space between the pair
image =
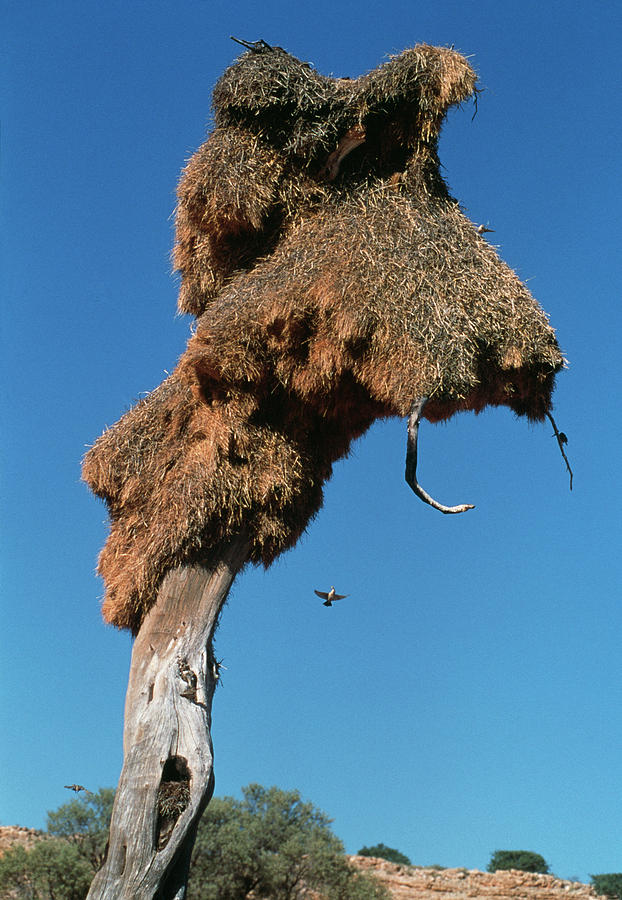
x: 167, y: 775
x: 411, y: 462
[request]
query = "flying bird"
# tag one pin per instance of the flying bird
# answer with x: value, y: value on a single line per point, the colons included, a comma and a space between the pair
x: 481, y: 229
x: 77, y: 788
x: 330, y: 597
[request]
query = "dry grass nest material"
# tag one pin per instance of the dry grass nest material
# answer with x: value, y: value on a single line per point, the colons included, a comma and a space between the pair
x: 335, y: 281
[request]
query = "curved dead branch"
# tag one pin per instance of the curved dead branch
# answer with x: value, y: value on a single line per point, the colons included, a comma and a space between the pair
x: 411, y: 462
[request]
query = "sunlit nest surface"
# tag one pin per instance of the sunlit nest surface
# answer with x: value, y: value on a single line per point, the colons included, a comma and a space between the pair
x: 335, y: 281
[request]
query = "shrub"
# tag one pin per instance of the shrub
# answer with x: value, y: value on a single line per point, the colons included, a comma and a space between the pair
x: 85, y: 822
x: 524, y: 860
x: 62, y: 864
x: 52, y: 868
x: 269, y: 844
x: 609, y: 884
x: 272, y: 844
x: 383, y: 852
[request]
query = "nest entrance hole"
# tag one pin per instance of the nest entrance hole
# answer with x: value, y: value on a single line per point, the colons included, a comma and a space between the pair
x: 173, y: 797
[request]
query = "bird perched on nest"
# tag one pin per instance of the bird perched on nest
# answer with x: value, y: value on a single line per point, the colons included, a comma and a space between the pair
x: 330, y: 597
x: 256, y: 46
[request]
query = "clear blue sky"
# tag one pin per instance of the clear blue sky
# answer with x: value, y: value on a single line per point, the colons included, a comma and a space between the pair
x: 468, y: 694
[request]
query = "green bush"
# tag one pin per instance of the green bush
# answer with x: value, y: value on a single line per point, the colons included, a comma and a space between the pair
x: 62, y: 864
x: 274, y: 845
x: 383, y: 852
x: 269, y: 844
x: 84, y: 822
x: 609, y: 884
x: 52, y: 868
x: 524, y: 860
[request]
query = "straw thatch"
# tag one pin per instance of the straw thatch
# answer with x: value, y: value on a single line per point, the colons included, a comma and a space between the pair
x: 277, y: 121
x: 334, y: 287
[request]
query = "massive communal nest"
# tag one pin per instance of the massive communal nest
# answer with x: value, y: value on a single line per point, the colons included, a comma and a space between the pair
x: 335, y: 281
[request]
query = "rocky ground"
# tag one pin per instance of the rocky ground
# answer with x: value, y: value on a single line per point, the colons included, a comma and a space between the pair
x: 420, y: 883
x: 414, y: 883
x: 10, y: 835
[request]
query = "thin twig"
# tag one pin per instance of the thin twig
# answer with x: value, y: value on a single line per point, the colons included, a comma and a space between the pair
x: 561, y: 440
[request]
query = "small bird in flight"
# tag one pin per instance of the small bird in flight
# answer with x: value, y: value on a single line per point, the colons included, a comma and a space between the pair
x: 330, y: 597
x: 77, y: 788
x: 481, y: 229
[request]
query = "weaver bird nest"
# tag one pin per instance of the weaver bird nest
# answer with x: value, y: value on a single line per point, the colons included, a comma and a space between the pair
x: 335, y: 281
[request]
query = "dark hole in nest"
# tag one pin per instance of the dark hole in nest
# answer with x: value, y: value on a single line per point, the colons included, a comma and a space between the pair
x: 386, y: 148
x: 242, y: 250
x: 173, y: 797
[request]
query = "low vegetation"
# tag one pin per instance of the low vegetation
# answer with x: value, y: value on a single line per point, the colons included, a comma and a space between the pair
x: 524, y: 860
x: 272, y: 844
x: 381, y: 851
x: 269, y: 844
x: 609, y: 884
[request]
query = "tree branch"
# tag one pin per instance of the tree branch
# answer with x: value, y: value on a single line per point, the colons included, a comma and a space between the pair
x: 411, y: 461
x: 561, y: 440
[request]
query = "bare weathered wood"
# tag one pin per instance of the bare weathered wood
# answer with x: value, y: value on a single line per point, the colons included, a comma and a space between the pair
x: 167, y: 777
x: 411, y: 461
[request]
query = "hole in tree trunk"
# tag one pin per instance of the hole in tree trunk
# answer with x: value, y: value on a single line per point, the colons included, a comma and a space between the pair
x: 173, y: 797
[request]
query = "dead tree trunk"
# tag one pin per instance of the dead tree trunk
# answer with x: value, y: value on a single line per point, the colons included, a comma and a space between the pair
x: 167, y: 777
